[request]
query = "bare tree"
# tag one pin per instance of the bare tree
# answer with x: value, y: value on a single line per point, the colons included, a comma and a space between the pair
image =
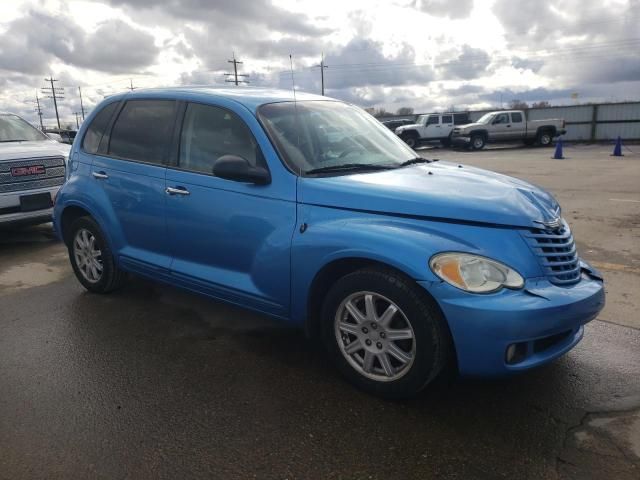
x: 516, y: 104
x: 540, y: 104
x: 405, y: 111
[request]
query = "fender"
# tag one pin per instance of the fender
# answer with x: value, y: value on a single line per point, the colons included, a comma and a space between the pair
x: 551, y: 128
x: 72, y: 194
x: 411, y: 132
x: 484, y: 133
x: 402, y: 243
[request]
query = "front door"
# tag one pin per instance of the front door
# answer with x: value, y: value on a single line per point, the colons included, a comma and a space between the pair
x: 131, y: 171
x: 500, y: 127
x: 229, y: 239
x: 433, y: 128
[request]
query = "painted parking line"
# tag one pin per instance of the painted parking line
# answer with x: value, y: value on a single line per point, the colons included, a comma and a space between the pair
x: 623, y: 200
x: 615, y: 267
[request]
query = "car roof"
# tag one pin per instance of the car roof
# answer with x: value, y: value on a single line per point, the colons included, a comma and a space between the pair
x: 250, y: 97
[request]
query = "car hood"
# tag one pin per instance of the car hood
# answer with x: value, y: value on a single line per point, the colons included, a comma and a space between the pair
x: 468, y: 126
x: 43, y: 148
x: 409, y: 126
x: 438, y: 191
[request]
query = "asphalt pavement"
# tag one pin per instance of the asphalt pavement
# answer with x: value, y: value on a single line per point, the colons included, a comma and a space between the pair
x: 155, y: 382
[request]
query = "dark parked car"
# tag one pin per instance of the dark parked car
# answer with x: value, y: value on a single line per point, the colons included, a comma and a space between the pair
x: 393, y: 124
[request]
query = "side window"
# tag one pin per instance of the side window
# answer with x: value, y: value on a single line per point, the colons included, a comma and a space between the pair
x: 516, y: 117
x: 460, y: 119
x: 447, y: 119
x: 100, y: 122
x: 210, y: 132
x: 433, y: 120
x: 501, y: 118
x: 143, y: 131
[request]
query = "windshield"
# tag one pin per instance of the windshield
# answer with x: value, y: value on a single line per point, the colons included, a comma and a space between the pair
x: 15, y: 129
x: 421, y: 119
x: 315, y: 135
x: 486, y: 118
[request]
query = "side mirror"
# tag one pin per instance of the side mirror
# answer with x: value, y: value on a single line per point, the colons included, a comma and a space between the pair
x: 238, y: 169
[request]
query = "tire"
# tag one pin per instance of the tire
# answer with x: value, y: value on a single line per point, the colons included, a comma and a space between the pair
x: 411, y: 140
x: 544, y: 138
x: 85, y: 239
x: 446, y: 142
x: 424, y: 354
x: 477, y: 142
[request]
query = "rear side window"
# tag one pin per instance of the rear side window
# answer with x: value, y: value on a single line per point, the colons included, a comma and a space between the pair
x: 447, y: 119
x: 516, y: 117
x: 97, y: 128
x: 460, y: 119
x: 143, y: 131
x: 210, y: 132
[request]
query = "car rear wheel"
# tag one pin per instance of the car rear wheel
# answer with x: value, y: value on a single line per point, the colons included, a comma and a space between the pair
x: 477, y: 142
x: 91, y: 257
x: 544, y: 139
x: 383, y: 333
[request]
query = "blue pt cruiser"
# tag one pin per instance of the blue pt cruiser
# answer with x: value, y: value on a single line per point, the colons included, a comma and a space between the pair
x: 310, y: 211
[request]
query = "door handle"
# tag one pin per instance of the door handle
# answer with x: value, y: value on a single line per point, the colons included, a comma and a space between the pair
x: 100, y: 175
x: 508, y: 126
x: 177, y: 191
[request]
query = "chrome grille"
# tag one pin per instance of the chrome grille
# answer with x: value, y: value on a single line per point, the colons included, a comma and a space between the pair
x: 53, y: 176
x: 556, y: 252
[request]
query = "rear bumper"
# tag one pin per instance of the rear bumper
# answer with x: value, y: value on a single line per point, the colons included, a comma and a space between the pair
x: 545, y: 320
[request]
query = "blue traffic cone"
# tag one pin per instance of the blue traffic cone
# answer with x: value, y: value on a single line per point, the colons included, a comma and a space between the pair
x: 558, y: 153
x: 617, y: 150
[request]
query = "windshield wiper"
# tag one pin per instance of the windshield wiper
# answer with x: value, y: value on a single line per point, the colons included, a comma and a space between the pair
x: 415, y: 160
x: 16, y: 140
x: 345, y: 167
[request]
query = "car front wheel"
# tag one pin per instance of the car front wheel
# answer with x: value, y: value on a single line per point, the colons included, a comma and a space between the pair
x: 383, y: 333
x: 477, y: 142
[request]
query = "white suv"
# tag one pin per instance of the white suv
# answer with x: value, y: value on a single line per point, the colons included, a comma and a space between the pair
x: 433, y: 127
x: 32, y: 169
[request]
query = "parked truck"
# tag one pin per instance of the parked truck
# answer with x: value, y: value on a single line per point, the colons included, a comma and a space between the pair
x: 507, y: 126
x: 433, y: 127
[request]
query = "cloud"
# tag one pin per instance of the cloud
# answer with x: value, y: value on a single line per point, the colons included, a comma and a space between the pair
x: 31, y: 43
x: 469, y: 63
x: 445, y: 8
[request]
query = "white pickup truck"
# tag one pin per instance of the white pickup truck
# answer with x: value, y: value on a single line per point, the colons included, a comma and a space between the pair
x: 32, y: 169
x: 432, y: 127
x: 507, y: 126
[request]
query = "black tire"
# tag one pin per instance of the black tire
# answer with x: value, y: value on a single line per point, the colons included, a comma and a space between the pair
x: 411, y: 139
x: 477, y: 142
x: 111, y: 277
x: 446, y: 142
x: 544, y: 138
x: 431, y: 334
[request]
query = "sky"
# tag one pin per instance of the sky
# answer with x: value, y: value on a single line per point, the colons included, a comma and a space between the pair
x: 430, y: 55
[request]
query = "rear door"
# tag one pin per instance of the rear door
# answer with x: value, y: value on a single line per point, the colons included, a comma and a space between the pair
x: 130, y: 169
x: 229, y: 239
x: 518, y: 125
x: 447, y: 125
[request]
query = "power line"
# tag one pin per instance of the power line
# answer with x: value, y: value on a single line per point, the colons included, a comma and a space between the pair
x: 235, y: 73
x: 55, y: 93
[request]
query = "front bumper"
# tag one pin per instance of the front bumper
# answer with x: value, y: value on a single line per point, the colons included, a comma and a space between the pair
x: 10, y: 213
x: 544, y: 319
x: 460, y: 140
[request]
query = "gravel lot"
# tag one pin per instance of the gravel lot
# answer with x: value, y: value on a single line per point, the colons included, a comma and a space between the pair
x: 153, y: 382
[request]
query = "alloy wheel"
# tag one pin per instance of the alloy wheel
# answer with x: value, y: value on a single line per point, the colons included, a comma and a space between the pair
x: 375, y: 336
x: 87, y: 255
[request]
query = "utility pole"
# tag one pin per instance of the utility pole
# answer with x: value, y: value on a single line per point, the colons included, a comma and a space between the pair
x: 55, y: 93
x: 131, y: 87
x: 39, y: 111
x: 322, y: 66
x: 81, y: 104
x: 235, y: 73
x: 77, y: 114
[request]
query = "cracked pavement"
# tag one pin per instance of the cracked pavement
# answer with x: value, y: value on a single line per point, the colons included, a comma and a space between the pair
x: 154, y: 382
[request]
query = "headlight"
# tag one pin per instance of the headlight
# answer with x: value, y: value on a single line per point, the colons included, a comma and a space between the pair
x: 474, y: 273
